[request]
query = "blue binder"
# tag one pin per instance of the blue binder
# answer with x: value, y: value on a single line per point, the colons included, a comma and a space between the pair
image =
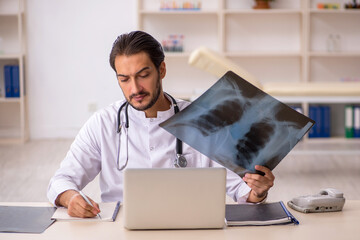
x: 8, y: 81
x: 356, y: 121
x: 313, y: 132
x: 15, y: 81
x: 325, y: 121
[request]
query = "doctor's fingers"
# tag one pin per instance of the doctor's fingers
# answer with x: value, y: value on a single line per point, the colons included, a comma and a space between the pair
x: 80, y: 208
x: 258, y: 181
x: 80, y: 212
x: 268, y: 173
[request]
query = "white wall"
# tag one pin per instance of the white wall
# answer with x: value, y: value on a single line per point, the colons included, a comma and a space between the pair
x: 67, y: 67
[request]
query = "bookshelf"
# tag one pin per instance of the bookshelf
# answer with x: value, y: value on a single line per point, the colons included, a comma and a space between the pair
x: 287, y: 43
x: 13, y: 120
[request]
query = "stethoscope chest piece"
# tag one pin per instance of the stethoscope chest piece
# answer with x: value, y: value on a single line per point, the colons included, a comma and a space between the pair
x: 180, y: 161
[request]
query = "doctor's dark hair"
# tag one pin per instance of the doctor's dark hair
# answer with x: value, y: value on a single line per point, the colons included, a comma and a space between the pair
x: 135, y: 42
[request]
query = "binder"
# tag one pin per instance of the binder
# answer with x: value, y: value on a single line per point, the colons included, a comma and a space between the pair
x: 258, y: 214
x: 356, y: 110
x: 8, y: 81
x: 325, y: 121
x: 313, y: 132
x: 15, y: 81
x: 349, y: 121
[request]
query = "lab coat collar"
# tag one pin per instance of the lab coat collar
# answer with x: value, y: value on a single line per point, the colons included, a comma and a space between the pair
x: 161, y: 115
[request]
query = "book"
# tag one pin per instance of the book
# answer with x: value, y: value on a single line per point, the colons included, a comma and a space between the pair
x: 313, y: 115
x: 12, y: 81
x: 258, y: 214
x: 356, y: 121
x: 15, y: 81
x: 349, y: 121
x: 325, y: 121
x: 108, y: 213
x: 17, y: 219
x: 8, y: 80
x: 239, y: 126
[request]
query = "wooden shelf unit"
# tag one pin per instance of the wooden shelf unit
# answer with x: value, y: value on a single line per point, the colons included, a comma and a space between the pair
x: 13, y: 111
x: 287, y: 43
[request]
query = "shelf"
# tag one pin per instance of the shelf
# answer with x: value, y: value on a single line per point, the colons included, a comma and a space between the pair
x: 334, y: 54
x: 10, y: 100
x: 178, y: 12
x: 262, y: 11
x: 327, y: 146
x: 8, y: 14
x: 11, y: 56
x: 13, y: 111
x: 335, y: 11
x: 319, y: 99
x: 177, y: 54
x: 262, y: 54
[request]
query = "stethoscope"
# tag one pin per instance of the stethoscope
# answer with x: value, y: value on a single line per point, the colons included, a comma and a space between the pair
x: 179, y: 162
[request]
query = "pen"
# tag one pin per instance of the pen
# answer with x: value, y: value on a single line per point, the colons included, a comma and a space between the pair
x: 88, y: 201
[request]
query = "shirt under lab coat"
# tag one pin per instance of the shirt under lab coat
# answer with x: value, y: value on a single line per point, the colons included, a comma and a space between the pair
x: 95, y: 150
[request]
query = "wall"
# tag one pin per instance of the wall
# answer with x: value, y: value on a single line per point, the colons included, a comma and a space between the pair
x: 67, y: 69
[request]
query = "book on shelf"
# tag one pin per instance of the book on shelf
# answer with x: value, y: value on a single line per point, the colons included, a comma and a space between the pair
x: 352, y: 121
x: 356, y: 121
x: 258, y: 214
x: 12, y: 81
x: 321, y: 116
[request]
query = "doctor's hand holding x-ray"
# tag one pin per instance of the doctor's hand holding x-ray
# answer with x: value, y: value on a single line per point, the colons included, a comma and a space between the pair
x: 139, y: 74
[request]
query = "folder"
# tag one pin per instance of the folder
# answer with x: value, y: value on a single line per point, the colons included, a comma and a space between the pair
x: 15, y: 219
x: 8, y: 81
x: 325, y: 121
x: 258, y: 214
x: 15, y: 81
x: 356, y: 121
x: 313, y: 132
x: 349, y: 121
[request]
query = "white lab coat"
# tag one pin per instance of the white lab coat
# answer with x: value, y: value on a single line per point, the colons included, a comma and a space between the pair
x: 96, y: 146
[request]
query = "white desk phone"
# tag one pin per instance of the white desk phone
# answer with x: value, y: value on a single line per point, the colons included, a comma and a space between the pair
x: 327, y: 200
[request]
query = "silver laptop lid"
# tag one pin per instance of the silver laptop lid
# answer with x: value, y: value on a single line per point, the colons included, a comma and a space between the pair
x: 174, y: 198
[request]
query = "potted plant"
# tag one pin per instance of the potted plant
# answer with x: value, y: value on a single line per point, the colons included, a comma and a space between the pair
x: 262, y: 4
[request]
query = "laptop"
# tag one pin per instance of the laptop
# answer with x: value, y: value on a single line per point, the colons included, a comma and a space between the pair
x: 174, y: 198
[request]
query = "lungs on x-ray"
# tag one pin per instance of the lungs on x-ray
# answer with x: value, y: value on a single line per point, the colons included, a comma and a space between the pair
x: 239, y: 126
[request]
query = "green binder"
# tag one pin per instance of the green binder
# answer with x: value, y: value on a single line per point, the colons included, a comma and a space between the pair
x: 349, y: 121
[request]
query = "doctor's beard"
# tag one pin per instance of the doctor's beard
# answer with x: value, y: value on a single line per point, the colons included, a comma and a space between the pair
x: 152, y: 101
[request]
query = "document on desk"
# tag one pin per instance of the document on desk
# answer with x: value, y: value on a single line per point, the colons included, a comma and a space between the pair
x: 108, y: 213
x: 16, y: 219
x: 258, y: 214
x: 239, y: 126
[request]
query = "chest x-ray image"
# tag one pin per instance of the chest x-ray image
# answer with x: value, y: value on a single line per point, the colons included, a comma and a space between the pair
x: 239, y: 126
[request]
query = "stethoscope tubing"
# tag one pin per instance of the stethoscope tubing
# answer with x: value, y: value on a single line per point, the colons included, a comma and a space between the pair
x: 179, y: 154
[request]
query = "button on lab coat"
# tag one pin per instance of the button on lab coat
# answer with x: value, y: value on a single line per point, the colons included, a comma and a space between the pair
x: 96, y: 147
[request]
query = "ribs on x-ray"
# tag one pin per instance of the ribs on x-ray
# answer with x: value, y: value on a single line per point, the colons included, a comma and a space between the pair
x: 239, y: 126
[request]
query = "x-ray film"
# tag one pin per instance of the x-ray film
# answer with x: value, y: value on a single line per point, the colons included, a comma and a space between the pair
x: 239, y: 126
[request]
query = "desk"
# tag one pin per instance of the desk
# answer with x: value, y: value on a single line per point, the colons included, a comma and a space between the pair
x: 335, y: 225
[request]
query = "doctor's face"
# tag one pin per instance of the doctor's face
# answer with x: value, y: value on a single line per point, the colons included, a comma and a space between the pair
x: 139, y: 79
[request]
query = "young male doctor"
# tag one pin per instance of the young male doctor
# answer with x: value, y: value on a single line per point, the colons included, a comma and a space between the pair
x: 107, y: 145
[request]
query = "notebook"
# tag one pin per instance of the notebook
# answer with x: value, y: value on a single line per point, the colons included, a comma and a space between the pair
x: 258, y: 214
x: 174, y: 198
x: 109, y: 211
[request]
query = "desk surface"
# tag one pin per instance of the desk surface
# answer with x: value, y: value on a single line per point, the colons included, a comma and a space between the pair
x: 334, y: 225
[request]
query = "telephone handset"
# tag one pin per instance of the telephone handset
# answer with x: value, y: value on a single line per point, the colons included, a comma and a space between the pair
x: 327, y: 200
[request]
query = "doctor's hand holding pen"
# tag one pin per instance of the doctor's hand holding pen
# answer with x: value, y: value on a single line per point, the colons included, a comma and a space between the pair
x: 78, y: 205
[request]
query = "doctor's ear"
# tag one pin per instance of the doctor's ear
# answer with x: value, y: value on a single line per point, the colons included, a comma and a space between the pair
x: 162, y: 70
